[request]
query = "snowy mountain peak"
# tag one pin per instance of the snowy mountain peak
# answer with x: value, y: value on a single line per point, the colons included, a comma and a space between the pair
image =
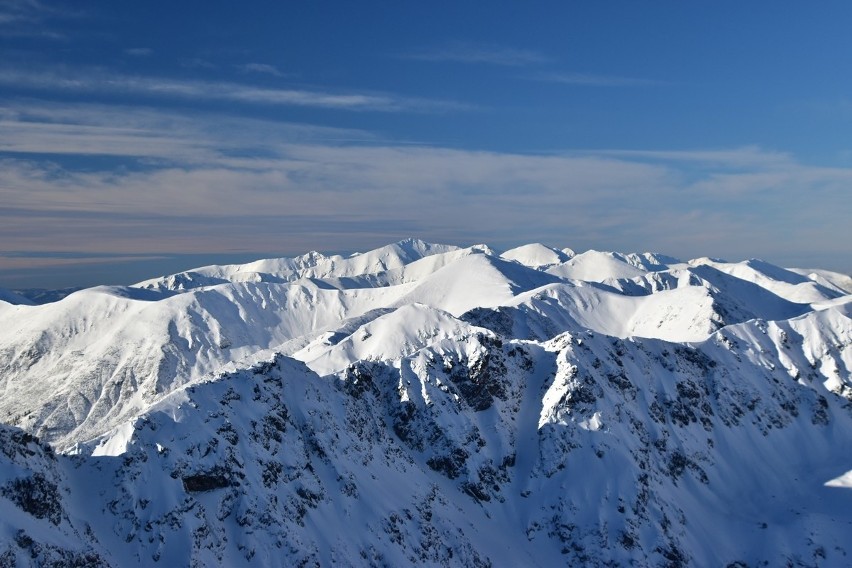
x: 417, y: 248
x: 536, y: 255
x: 456, y: 405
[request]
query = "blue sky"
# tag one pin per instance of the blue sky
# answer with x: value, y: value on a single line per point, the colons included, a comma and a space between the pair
x: 143, y: 138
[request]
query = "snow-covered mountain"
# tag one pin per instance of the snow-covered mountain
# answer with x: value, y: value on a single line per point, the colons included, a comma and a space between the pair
x: 42, y: 295
x: 436, y: 405
x: 10, y: 297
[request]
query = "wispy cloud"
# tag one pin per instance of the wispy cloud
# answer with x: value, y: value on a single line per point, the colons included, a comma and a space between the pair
x: 93, y: 82
x: 18, y: 11
x: 245, y: 188
x: 212, y: 183
x: 262, y: 68
x: 593, y: 80
x: 58, y: 260
x: 197, y: 63
x: 464, y: 52
x: 139, y: 51
x: 147, y: 133
x: 747, y: 156
x: 29, y: 18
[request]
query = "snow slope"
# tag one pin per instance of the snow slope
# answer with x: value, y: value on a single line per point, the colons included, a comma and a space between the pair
x: 787, y: 284
x: 458, y: 406
x: 597, y: 266
x: 310, y: 265
x: 474, y: 450
x: 827, y: 277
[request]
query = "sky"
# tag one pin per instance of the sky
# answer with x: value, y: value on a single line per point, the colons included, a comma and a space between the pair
x: 144, y: 138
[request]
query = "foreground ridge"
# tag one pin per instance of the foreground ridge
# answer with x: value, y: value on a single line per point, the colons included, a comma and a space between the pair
x: 429, y: 404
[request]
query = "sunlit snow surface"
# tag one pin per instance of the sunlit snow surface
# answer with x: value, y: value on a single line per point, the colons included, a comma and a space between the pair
x: 435, y: 405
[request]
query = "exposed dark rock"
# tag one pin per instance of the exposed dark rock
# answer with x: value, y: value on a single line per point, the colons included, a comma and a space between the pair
x: 37, y: 496
x: 216, y: 478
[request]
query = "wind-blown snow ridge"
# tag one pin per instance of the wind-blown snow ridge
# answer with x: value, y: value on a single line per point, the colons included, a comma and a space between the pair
x: 459, y: 406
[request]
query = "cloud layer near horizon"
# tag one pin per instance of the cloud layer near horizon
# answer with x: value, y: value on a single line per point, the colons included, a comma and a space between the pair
x: 206, y: 184
x: 100, y: 82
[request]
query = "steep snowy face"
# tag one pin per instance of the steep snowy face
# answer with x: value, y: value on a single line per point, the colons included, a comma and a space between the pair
x: 477, y: 449
x: 458, y: 406
x: 73, y: 367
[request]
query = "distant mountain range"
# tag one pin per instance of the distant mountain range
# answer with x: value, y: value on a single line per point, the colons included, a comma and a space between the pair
x: 37, y: 295
x: 432, y: 405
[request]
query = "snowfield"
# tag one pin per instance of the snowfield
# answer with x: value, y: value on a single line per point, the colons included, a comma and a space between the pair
x: 433, y: 405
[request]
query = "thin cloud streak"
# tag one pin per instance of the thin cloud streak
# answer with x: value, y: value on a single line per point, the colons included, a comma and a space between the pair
x: 137, y: 132
x: 220, y: 91
x: 139, y: 51
x: 29, y: 18
x: 18, y: 11
x: 262, y: 68
x: 30, y: 262
x: 462, y: 52
x: 591, y: 80
x: 197, y: 63
x: 747, y: 156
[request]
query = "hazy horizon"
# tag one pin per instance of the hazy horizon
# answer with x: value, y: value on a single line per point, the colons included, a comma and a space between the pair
x: 144, y: 139
x: 90, y: 272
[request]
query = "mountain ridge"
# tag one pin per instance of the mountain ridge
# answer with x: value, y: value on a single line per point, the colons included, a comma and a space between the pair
x: 458, y: 406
